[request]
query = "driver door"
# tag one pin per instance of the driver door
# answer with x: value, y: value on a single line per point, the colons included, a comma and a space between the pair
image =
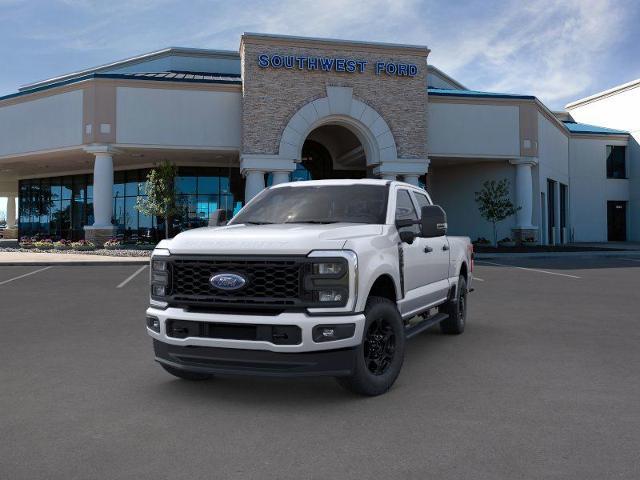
x: 435, y: 259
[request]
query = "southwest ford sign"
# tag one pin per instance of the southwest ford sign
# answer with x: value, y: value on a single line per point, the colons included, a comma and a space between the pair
x: 334, y: 64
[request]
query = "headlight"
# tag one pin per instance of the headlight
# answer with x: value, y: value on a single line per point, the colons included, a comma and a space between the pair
x: 160, y: 277
x: 329, y: 268
x: 330, y: 295
x: 327, y: 282
x: 159, y: 265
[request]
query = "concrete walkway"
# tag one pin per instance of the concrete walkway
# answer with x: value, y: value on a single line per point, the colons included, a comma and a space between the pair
x: 616, y: 245
x: 635, y: 254
x: 33, y: 258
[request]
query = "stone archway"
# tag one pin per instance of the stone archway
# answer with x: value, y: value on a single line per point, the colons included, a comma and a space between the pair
x: 340, y: 108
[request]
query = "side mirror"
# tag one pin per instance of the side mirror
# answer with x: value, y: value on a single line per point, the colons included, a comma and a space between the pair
x: 217, y: 218
x: 434, y: 221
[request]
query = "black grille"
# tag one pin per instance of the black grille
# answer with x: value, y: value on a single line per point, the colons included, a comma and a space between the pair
x: 273, y: 282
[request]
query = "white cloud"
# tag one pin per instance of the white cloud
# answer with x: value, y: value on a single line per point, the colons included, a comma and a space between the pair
x: 546, y: 48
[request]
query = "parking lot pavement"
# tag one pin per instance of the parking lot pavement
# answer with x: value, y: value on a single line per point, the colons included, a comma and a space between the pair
x: 543, y: 384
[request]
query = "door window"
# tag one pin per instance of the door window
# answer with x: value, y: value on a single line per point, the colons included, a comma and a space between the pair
x: 405, y: 210
x: 422, y: 200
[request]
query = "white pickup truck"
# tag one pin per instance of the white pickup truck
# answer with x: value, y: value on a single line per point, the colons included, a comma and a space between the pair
x: 325, y: 277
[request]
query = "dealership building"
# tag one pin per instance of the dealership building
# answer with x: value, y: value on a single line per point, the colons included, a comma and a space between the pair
x: 75, y: 149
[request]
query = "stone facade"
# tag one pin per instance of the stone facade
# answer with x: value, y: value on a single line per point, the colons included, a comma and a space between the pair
x: 272, y: 96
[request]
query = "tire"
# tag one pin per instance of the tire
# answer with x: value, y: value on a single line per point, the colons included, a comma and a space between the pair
x: 380, y: 355
x: 186, y: 374
x: 456, y: 308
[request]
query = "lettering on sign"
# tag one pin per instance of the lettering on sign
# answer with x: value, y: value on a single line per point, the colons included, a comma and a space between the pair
x: 332, y: 64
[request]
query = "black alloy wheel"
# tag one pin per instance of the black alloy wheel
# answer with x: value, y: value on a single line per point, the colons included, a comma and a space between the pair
x: 379, y: 346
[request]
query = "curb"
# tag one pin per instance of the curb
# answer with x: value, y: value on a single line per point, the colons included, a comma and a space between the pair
x: 609, y: 253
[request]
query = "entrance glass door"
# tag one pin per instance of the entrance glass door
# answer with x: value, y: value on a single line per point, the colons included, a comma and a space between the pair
x: 551, y: 211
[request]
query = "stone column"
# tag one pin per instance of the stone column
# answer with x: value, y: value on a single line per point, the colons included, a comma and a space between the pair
x: 280, y: 177
x: 254, y: 183
x: 408, y: 169
x: 11, y: 232
x: 11, y: 212
x: 412, y: 179
x: 524, y: 198
x: 253, y: 167
x: 102, y: 229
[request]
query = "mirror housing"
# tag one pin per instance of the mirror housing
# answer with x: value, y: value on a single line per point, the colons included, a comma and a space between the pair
x: 217, y: 218
x: 407, y: 236
x: 433, y: 221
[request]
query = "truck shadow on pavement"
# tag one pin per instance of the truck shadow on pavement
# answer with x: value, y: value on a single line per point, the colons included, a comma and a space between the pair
x: 294, y: 392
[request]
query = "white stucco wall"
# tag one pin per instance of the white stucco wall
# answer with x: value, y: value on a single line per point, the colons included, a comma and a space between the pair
x: 467, y: 129
x: 454, y: 187
x: 620, y: 111
x: 190, y: 118
x: 590, y: 189
x: 553, y: 164
x: 42, y: 124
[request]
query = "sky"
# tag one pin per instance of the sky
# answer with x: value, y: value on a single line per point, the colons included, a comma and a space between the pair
x: 557, y: 50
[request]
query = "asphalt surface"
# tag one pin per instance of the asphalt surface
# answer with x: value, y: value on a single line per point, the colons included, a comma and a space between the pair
x: 545, y: 383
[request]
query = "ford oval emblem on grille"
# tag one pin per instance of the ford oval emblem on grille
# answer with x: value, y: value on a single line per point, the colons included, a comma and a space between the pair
x: 227, y: 281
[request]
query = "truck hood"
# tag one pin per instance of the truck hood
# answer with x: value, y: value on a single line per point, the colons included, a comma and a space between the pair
x: 292, y: 239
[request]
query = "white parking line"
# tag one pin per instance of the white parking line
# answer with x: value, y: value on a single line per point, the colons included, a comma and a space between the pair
x: 132, y: 276
x: 25, y: 275
x: 529, y: 269
x: 478, y: 279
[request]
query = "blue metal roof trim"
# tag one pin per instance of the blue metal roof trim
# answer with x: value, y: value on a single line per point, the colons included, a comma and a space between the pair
x: 585, y: 128
x: 226, y: 79
x: 444, y: 92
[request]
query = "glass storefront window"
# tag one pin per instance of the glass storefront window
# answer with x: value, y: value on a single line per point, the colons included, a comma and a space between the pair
x: 209, y: 184
x: 60, y: 207
x: 186, y: 184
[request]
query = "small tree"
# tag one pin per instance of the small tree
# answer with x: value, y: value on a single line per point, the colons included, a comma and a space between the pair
x: 160, y: 191
x: 494, y: 203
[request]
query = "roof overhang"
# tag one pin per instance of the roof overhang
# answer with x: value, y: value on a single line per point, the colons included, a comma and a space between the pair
x: 145, y: 57
x: 605, y: 93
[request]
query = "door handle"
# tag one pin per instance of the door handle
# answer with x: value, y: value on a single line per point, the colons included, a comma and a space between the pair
x: 445, y: 248
x: 428, y: 249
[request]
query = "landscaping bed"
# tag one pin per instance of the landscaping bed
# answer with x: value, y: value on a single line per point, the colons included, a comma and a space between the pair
x: 100, y: 251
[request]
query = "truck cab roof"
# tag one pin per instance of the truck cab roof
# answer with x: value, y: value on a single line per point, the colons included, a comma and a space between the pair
x: 346, y: 181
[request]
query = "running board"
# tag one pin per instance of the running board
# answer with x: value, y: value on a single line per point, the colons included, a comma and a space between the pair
x: 410, y: 332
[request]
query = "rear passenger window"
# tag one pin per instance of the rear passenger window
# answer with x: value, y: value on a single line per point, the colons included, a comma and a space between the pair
x: 405, y: 209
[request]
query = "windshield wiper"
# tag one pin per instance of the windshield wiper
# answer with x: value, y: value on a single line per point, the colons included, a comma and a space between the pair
x: 259, y: 223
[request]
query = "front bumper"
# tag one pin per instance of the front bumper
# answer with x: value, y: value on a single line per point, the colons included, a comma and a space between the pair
x: 214, y: 360
x: 302, y: 320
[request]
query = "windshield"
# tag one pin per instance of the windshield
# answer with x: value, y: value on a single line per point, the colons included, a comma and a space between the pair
x: 317, y: 204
